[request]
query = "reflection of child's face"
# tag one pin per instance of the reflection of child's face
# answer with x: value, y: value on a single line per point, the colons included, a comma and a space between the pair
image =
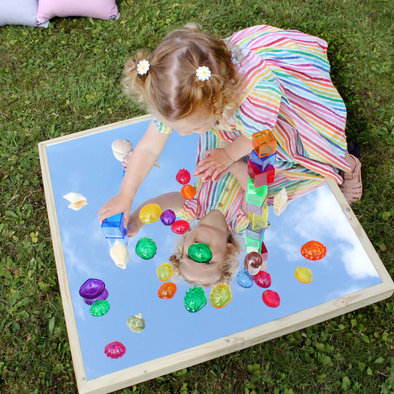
x: 212, y: 230
x: 194, y: 123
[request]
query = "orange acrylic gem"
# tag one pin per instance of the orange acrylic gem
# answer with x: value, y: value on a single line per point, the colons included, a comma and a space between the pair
x: 313, y: 250
x: 167, y: 290
x: 264, y: 143
x: 188, y: 192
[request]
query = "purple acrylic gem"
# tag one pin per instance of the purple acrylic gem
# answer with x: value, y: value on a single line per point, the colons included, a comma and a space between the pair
x: 92, y: 288
x: 168, y: 217
x: 102, y: 296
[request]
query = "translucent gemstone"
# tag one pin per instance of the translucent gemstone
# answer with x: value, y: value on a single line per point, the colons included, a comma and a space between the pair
x: 200, y: 252
x: 102, y: 296
x: 271, y: 298
x: 303, y: 274
x: 115, y: 350
x: 146, y: 248
x: 180, y: 226
x: 136, y: 323
x: 188, y: 192
x: 164, y: 272
x: 167, y: 290
x: 254, y: 259
x: 245, y: 279
x: 99, y: 308
x: 220, y: 295
x: 195, y: 299
x: 183, y: 176
x: 313, y: 250
x: 167, y: 217
x: 262, y: 279
x: 150, y: 213
x: 92, y: 288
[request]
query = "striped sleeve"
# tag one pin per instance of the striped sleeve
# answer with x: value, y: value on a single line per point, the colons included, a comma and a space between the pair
x: 162, y: 127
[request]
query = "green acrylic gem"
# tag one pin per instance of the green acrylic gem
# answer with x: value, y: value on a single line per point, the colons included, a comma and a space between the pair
x: 99, y: 308
x: 146, y: 248
x: 199, y: 252
x: 195, y: 299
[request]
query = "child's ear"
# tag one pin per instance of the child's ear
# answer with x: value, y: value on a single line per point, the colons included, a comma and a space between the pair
x: 229, y: 246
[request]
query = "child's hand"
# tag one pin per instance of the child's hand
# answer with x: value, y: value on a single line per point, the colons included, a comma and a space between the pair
x: 215, y: 162
x: 117, y: 204
x: 134, y: 226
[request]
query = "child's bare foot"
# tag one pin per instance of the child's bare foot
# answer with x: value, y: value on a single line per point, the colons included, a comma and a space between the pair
x: 352, y: 187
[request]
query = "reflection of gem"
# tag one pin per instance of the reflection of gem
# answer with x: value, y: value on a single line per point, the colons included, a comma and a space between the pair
x: 183, y: 176
x: 220, y: 295
x: 245, y: 279
x: 254, y: 259
x: 262, y: 279
x: 115, y: 350
x: 99, y: 308
x: 195, y: 299
x: 271, y: 298
x: 146, y: 248
x: 167, y: 217
x: 164, y: 272
x: 188, y: 192
x: 136, y: 323
x: 92, y: 288
x: 313, y: 250
x: 180, y: 226
x: 102, y: 296
x: 303, y: 274
x: 167, y: 290
x: 200, y: 252
x: 150, y: 213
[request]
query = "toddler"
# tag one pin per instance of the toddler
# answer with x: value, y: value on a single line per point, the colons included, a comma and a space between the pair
x: 259, y: 78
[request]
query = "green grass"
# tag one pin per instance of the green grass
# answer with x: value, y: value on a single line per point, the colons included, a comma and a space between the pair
x: 66, y: 78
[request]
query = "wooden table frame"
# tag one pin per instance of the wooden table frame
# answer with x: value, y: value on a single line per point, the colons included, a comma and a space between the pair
x: 219, y: 347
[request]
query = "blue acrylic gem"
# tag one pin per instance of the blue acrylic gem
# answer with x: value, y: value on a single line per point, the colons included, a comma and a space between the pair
x: 244, y: 279
x: 113, y: 226
x: 262, y: 162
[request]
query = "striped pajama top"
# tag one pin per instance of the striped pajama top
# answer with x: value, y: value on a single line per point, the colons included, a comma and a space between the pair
x: 288, y: 90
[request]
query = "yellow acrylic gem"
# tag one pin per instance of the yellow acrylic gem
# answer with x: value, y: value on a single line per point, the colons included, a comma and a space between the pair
x: 303, y: 274
x: 220, y: 295
x: 150, y: 213
x: 164, y: 272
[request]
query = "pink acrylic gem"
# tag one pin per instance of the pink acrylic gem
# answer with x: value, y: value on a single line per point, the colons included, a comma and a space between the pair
x: 262, y: 279
x: 180, y: 226
x: 115, y: 350
x: 271, y: 298
x: 183, y: 176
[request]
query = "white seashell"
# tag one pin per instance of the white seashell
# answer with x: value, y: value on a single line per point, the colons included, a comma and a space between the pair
x: 280, y: 202
x: 77, y: 200
x: 252, y: 270
x: 121, y: 148
x: 119, y: 254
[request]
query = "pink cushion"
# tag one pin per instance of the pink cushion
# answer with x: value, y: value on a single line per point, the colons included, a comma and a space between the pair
x: 101, y: 9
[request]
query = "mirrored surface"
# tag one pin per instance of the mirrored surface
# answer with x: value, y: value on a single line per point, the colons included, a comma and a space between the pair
x: 87, y: 166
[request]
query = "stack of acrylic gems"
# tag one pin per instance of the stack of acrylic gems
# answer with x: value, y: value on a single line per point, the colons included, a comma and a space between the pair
x: 95, y: 294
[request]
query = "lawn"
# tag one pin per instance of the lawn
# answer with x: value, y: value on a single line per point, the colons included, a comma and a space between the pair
x: 66, y: 78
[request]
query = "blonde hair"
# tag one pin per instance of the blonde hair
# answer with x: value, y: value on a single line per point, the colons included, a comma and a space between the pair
x: 228, y: 266
x: 171, y: 86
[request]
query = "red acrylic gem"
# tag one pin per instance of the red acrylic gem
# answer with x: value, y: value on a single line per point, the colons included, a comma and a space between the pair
x: 183, y: 176
x: 261, y: 178
x: 264, y: 252
x: 271, y: 298
x: 180, y: 226
x: 313, y: 250
x: 115, y: 350
x: 188, y: 192
x: 166, y: 290
x: 262, y: 279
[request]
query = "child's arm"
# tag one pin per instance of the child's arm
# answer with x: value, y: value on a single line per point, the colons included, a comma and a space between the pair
x: 217, y: 160
x: 240, y: 170
x: 141, y: 161
x: 173, y: 200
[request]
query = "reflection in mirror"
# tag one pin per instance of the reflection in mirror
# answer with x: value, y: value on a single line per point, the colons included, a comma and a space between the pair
x: 86, y: 165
